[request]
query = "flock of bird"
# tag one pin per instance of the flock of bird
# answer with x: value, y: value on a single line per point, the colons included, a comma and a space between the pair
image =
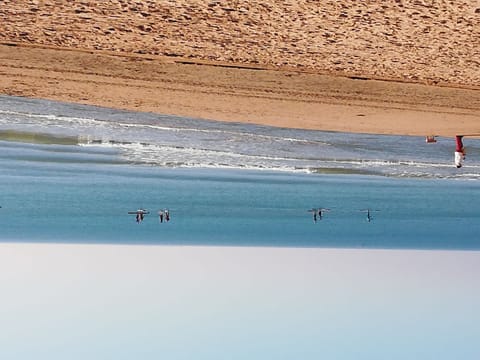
x: 318, y: 213
x: 164, y: 215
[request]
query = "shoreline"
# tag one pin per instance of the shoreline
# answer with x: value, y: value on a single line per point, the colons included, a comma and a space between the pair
x: 224, y: 92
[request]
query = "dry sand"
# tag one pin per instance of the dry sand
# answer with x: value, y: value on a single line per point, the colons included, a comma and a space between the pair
x: 361, y: 66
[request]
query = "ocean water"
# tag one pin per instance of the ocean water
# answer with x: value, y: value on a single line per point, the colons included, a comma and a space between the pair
x: 175, y: 142
x: 241, y: 271
x: 73, y: 172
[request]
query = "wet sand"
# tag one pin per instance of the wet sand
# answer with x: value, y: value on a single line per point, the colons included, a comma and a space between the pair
x: 262, y: 96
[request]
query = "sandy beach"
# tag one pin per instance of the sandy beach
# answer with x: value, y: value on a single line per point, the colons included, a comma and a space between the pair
x: 400, y: 67
x: 252, y: 264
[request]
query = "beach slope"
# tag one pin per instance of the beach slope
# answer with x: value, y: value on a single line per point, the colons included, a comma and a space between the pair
x: 395, y: 68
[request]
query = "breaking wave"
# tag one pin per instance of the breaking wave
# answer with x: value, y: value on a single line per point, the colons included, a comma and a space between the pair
x: 169, y: 141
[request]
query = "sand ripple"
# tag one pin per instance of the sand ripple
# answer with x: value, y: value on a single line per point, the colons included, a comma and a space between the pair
x: 414, y: 40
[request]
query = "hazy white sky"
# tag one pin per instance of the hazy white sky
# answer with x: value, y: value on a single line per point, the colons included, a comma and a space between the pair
x: 150, y: 302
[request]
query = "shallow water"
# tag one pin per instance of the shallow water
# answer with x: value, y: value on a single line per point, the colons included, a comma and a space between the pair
x: 69, y: 193
x: 169, y: 141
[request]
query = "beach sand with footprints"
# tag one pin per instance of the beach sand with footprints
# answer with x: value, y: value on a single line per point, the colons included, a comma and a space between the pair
x: 393, y: 67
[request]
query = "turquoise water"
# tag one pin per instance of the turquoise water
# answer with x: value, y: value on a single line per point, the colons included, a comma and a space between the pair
x: 58, y: 187
x: 65, y: 193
